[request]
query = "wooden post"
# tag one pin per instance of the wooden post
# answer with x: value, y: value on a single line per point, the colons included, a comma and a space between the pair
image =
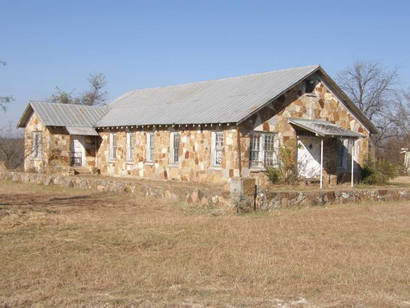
x: 353, y: 153
x: 321, y: 163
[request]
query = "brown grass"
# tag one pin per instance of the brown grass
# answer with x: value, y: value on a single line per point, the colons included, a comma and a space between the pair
x: 63, y: 247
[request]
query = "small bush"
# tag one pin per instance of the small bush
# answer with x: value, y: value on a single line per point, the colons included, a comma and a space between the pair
x: 378, y: 173
x: 274, y: 175
x: 286, y: 171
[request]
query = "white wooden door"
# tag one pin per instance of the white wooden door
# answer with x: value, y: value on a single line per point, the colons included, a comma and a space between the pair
x: 77, y: 151
x: 308, y: 158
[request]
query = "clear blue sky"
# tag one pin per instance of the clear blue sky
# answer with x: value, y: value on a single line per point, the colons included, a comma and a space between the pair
x: 156, y: 43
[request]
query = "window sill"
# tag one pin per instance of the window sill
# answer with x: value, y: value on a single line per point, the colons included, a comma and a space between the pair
x: 149, y: 163
x: 174, y: 165
x: 129, y: 162
x: 112, y: 161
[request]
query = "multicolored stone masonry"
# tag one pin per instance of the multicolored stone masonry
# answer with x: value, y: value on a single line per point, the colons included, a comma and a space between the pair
x: 195, y: 147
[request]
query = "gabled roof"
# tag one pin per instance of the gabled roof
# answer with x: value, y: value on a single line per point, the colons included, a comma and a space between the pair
x: 323, y: 128
x: 228, y: 100
x: 67, y: 115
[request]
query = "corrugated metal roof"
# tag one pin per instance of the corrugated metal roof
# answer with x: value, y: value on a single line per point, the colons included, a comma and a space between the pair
x: 53, y: 114
x: 228, y: 100
x: 82, y: 131
x: 324, y: 128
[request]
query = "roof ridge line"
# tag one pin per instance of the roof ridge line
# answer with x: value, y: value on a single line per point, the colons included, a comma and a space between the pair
x: 218, y: 79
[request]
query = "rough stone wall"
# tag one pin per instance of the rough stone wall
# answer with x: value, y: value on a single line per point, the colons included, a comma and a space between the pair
x: 210, y: 195
x: 194, y: 156
x: 203, y: 195
x: 320, y: 104
x: 58, y: 150
x: 31, y: 163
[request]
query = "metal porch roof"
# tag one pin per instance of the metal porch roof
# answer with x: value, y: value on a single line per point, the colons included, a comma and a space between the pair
x: 324, y: 128
x: 82, y: 131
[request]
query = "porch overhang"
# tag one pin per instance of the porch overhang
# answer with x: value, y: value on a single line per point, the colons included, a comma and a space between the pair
x: 81, y: 131
x: 323, y: 128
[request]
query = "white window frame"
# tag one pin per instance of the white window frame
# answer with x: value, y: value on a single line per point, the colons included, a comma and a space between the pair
x: 263, y: 150
x: 37, y: 144
x: 174, y: 148
x: 150, y: 148
x: 130, y: 146
x: 217, y: 148
x: 113, y: 147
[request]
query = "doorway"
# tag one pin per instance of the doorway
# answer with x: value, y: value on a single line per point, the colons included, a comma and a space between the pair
x: 308, y: 158
x: 77, y: 151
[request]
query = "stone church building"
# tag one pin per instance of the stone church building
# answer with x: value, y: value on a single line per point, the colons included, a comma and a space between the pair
x: 208, y: 131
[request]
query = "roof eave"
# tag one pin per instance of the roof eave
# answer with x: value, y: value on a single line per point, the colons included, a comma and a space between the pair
x: 25, y: 116
x: 362, y: 117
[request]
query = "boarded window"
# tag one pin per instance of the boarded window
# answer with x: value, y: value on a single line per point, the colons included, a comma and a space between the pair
x: 37, y: 144
x: 130, y: 146
x: 150, y: 148
x: 264, y: 149
x: 174, y: 148
x: 217, y: 148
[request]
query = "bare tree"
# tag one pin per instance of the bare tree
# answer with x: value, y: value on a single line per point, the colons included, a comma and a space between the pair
x: 94, y: 96
x: 11, y: 148
x: 373, y: 88
x: 63, y: 97
x: 4, y: 99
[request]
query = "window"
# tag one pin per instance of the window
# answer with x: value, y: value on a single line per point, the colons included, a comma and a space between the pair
x: 174, y: 148
x: 37, y: 145
x: 150, y: 148
x: 113, y: 146
x: 263, y: 149
x: 130, y: 146
x: 217, y: 148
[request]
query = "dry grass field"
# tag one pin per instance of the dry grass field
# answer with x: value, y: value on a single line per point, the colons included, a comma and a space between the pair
x: 65, y: 247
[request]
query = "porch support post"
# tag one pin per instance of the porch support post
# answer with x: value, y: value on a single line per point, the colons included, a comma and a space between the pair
x: 321, y: 163
x: 352, y: 171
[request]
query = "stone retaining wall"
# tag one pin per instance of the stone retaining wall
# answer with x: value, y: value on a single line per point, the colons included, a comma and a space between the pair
x: 205, y: 195
x: 269, y: 200
x: 167, y: 190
